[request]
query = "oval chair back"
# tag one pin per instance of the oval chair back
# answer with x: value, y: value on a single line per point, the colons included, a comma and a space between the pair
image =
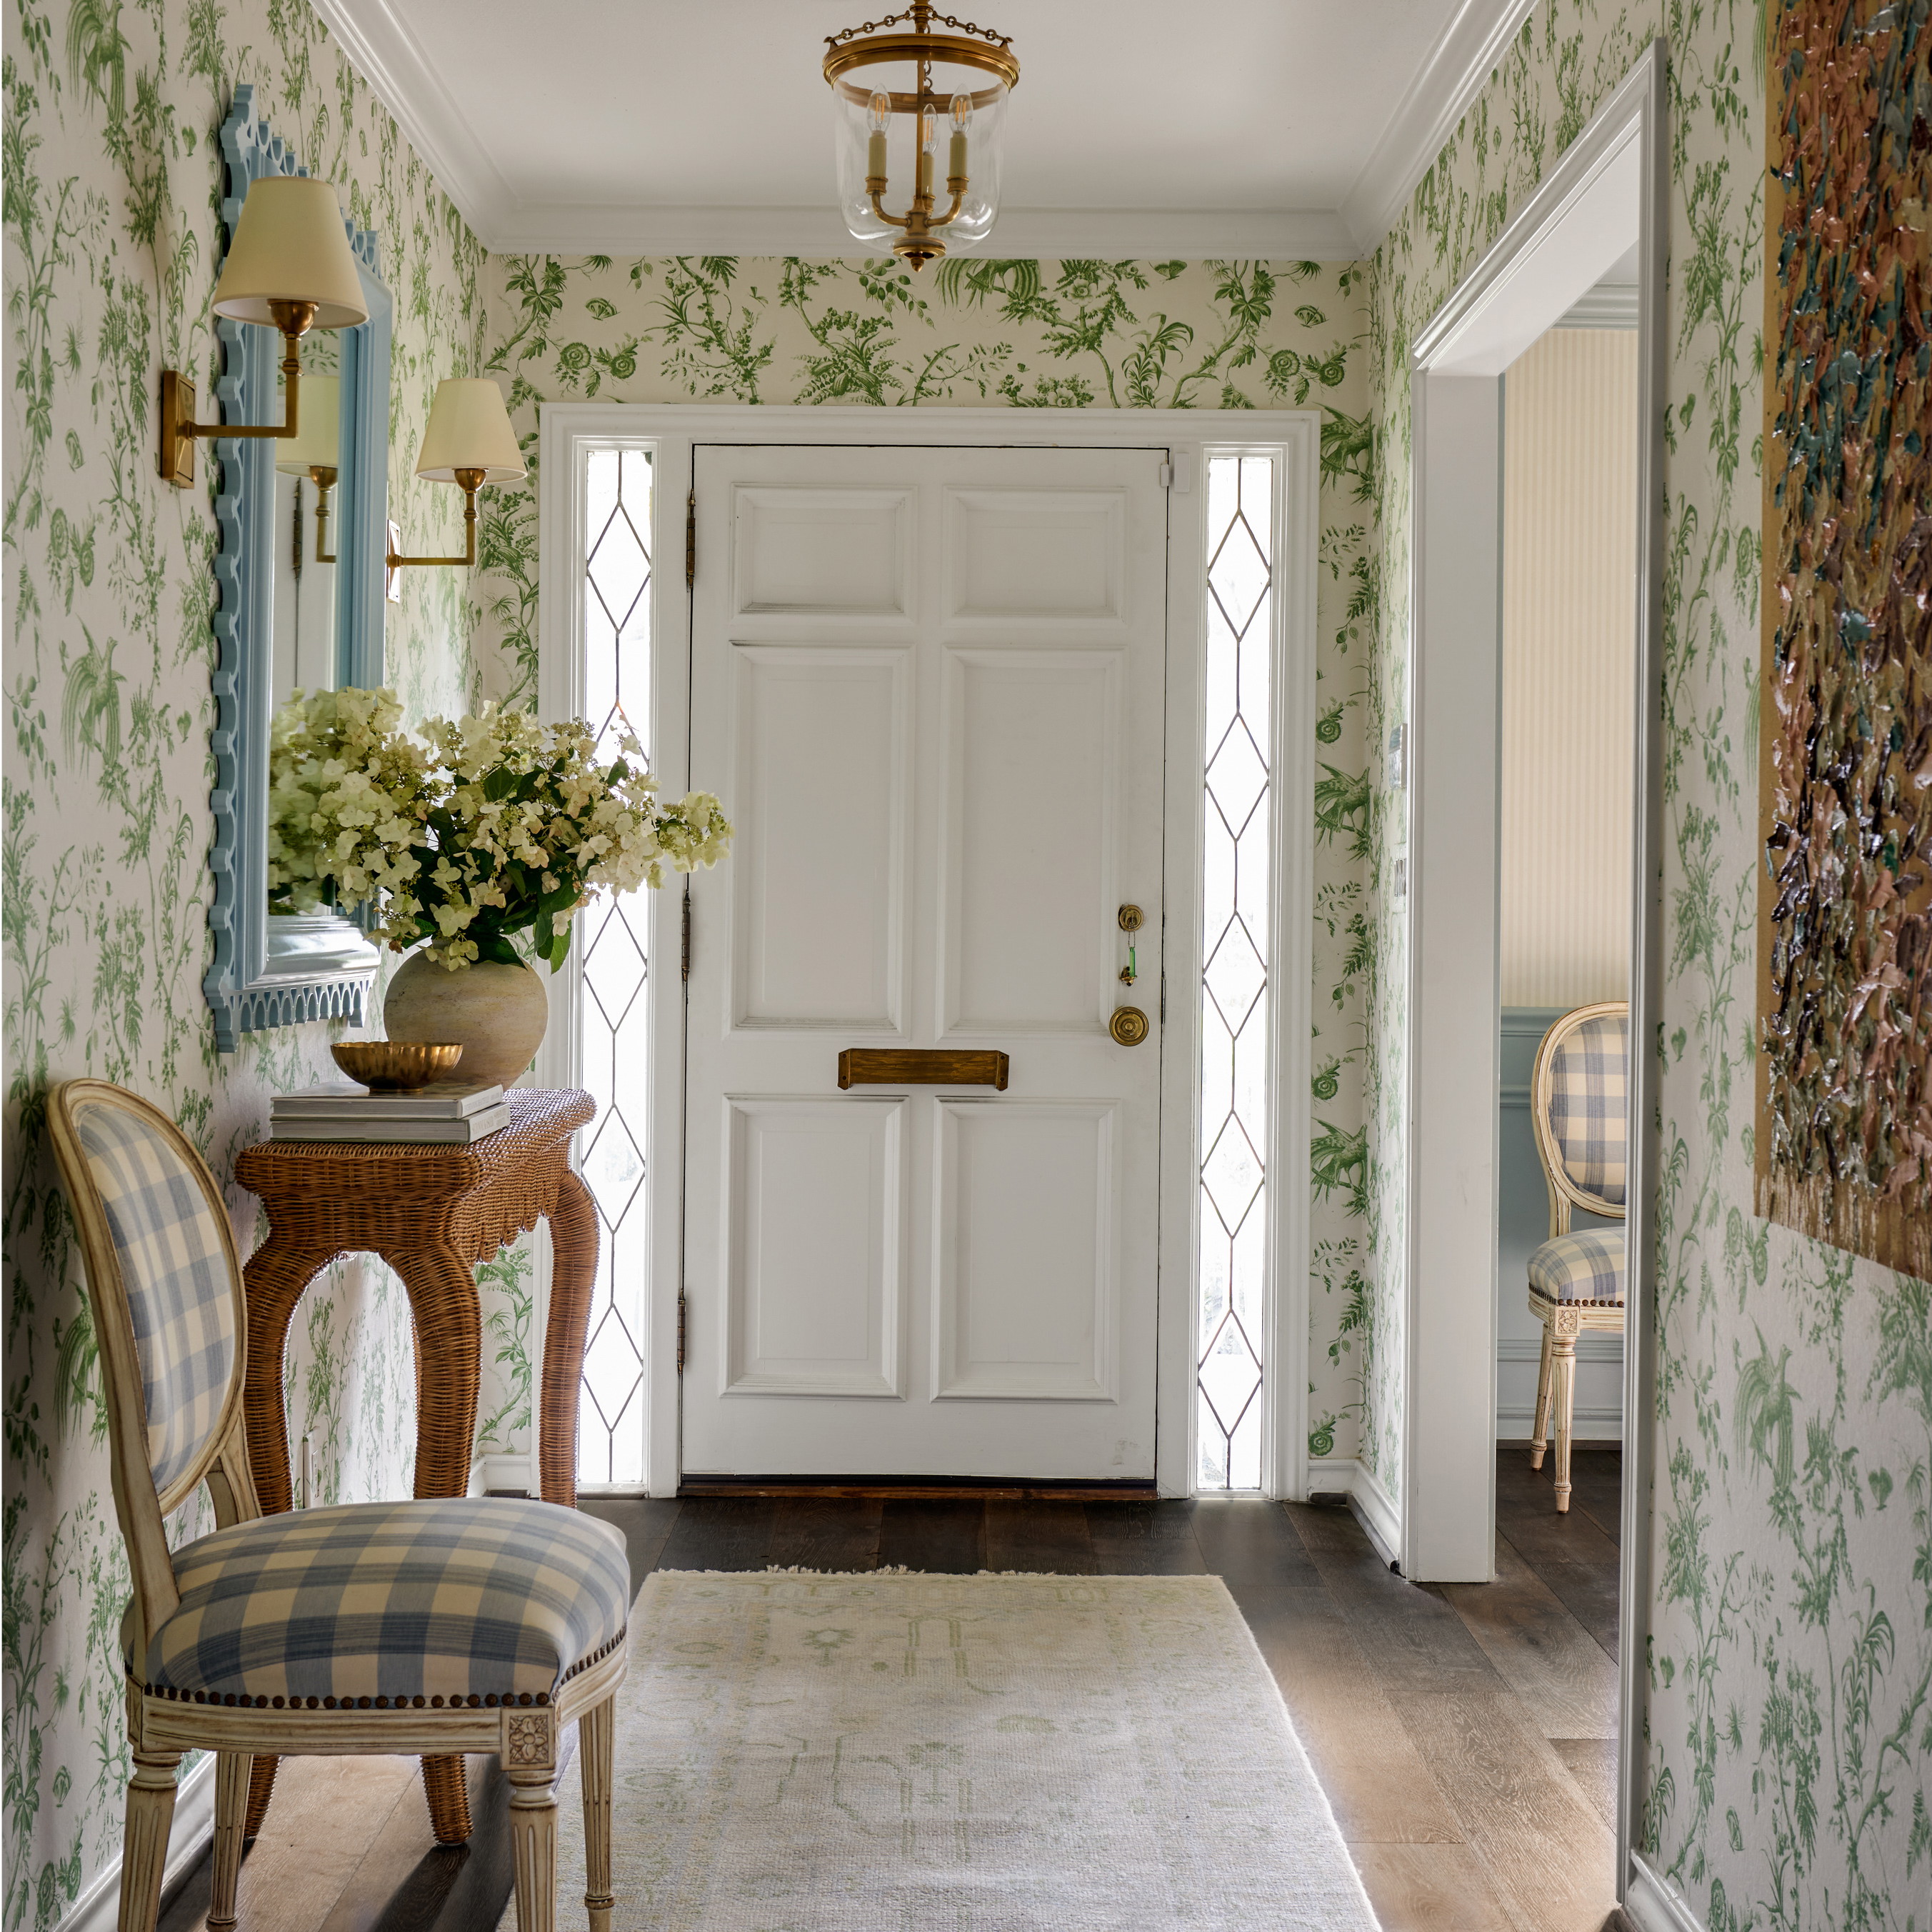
x: 1579, y: 1102
x: 164, y: 1288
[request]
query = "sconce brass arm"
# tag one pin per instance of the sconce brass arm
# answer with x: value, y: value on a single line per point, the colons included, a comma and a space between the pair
x: 179, y: 429
x: 470, y: 481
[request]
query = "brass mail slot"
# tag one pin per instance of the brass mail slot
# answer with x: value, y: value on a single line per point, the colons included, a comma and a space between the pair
x: 911, y: 1066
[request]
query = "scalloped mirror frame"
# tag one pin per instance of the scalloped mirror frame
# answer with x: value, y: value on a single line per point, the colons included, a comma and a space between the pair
x: 272, y: 973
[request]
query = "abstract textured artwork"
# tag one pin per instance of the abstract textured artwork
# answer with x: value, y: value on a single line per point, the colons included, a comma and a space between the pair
x: 1844, y: 1114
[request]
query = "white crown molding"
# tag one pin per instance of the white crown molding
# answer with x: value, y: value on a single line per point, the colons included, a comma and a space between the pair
x: 1102, y: 234
x: 1608, y: 305
x: 381, y: 48
x: 1465, y: 53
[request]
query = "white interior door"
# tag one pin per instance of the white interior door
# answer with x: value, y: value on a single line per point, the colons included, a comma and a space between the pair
x: 929, y: 684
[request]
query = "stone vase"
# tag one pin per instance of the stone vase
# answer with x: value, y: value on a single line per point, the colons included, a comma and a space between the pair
x: 498, y: 1013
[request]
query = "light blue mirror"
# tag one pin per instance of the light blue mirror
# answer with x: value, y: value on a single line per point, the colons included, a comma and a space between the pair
x: 302, y: 601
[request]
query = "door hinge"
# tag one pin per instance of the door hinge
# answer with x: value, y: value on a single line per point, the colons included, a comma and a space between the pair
x: 690, y: 540
x: 684, y: 941
x: 681, y: 1307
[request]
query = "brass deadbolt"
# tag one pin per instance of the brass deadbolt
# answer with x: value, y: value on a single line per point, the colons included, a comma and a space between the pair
x: 1129, y: 1025
x: 1131, y: 918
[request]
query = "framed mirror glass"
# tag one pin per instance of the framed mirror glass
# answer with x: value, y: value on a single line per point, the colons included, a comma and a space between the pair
x: 303, y: 527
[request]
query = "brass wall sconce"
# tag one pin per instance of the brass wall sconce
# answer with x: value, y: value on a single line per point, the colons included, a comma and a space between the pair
x: 316, y: 452
x: 468, y: 441
x: 288, y: 267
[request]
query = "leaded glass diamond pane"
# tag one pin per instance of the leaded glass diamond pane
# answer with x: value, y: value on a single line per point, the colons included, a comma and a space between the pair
x: 1236, y: 921
x: 610, y: 949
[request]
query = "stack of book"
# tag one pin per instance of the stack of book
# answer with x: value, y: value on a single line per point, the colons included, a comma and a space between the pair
x: 451, y: 1114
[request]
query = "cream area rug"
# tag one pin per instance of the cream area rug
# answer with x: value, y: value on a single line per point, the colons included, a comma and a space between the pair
x: 801, y: 1753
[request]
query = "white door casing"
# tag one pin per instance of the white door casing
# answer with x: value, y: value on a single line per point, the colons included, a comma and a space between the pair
x: 1292, y: 438
x: 931, y: 682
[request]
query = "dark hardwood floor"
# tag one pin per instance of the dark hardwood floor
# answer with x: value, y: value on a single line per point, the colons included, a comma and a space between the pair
x: 1465, y: 1735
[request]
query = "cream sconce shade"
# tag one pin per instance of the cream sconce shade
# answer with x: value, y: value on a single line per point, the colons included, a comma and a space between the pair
x: 316, y: 451
x: 468, y: 441
x: 290, y: 247
x: 288, y: 266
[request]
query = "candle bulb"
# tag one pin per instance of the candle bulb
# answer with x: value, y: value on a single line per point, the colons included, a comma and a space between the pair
x: 929, y: 140
x: 961, y: 109
x: 878, y: 118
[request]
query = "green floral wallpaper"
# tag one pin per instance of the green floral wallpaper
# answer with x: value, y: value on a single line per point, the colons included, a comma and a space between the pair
x: 1021, y: 334
x: 111, y: 171
x: 1790, y: 1665
x: 1789, y: 1748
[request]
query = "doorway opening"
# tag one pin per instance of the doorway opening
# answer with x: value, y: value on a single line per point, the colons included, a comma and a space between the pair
x: 1476, y: 979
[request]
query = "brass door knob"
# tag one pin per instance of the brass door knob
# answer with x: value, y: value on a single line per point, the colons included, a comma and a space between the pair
x: 1129, y: 1025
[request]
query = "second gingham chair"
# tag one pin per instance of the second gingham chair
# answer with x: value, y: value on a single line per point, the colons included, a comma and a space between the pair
x: 405, y: 1628
x: 1579, y: 1101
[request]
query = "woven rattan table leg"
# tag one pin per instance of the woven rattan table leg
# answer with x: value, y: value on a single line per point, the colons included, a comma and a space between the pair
x: 442, y: 1285
x: 275, y: 1277
x: 573, y: 1245
x: 277, y: 1273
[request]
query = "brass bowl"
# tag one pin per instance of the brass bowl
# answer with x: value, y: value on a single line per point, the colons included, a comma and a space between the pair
x: 395, y: 1066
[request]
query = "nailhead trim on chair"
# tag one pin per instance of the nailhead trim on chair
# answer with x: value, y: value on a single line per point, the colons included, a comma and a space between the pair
x: 231, y: 1700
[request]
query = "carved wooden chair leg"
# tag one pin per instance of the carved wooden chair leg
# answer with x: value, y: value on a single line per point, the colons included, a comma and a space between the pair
x: 529, y: 1754
x: 1565, y: 1367
x: 596, y: 1731
x: 533, y: 1837
x: 1542, y: 1433
x: 232, y: 1773
x: 144, y: 1844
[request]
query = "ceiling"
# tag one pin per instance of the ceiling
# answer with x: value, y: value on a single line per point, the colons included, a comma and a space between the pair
x: 1273, y: 127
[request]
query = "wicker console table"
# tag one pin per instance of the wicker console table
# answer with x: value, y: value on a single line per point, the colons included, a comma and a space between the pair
x: 431, y: 1213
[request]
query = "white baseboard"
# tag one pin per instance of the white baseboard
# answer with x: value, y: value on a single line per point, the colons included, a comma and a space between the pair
x: 98, y: 1908
x: 1373, y: 1508
x: 493, y: 1474
x: 1514, y: 1422
x: 1654, y: 1904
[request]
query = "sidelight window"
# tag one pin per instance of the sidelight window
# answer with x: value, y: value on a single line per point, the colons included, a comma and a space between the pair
x: 1236, y: 888
x: 612, y: 1035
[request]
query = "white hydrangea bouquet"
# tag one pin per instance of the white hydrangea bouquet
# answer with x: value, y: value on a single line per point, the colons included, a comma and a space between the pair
x: 472, y: 834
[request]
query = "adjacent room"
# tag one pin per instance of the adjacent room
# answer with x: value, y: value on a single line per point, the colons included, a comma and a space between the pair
x: 967, y: 975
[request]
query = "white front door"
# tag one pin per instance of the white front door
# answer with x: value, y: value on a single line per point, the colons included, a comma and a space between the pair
x: 929, y: 684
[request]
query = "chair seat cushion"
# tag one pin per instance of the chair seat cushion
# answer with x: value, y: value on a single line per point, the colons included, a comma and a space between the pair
x: 477, y: 1600
x: 1587, y: 1266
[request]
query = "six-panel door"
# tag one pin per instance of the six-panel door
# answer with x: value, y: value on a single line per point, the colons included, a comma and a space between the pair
x: 928, y: 684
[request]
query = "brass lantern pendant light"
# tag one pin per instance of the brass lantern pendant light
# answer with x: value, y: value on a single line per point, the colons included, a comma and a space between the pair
x: 899, y: 88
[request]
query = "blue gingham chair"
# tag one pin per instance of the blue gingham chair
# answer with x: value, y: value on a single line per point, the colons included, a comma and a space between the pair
x: 405, y: 1628
x: 1580, y: 1103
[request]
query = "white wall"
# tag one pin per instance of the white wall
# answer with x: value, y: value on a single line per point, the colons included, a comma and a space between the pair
x: 1569, y: 626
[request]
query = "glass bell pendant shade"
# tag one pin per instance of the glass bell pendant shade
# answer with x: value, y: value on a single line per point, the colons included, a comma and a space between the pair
x: 918, y: 123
